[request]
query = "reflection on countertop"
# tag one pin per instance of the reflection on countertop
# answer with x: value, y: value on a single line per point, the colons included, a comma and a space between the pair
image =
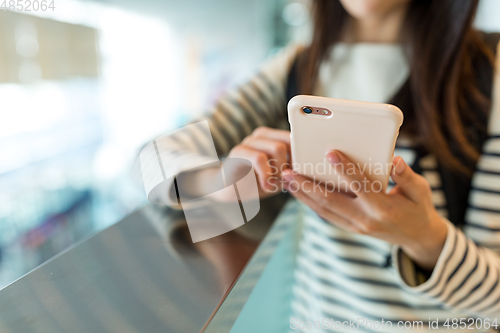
x: 142, y: 274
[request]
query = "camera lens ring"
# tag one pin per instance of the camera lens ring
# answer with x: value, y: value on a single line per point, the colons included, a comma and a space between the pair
x: 307, y: 110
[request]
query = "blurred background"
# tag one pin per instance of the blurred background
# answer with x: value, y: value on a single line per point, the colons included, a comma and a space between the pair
x: 83, y: 85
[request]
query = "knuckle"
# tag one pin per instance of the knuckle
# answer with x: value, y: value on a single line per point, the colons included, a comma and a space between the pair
x: 384, y: 212
x: 280, y: 148
x: 260, y: 131
x: 235, y: 150
x: 378, y: 215
x: 427, y: 187
x: 371, y: 226
x: 419, y: 179
x: 260, y: 158
x: 246, y: 140
x: 322, y: 212
x: 323, y: 201
x: 423, y: 184
x: 360, y: 231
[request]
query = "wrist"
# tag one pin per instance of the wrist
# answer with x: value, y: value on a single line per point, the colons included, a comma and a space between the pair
x: 426, y: 250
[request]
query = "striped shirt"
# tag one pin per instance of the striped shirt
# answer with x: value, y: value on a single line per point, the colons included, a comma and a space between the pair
x: 342, y: 276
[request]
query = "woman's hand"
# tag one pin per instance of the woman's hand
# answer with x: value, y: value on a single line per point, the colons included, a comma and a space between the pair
x: 405, y: 216
x: 268, y: 150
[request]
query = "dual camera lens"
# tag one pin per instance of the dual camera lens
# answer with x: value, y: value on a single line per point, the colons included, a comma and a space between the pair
x: 319, y: 111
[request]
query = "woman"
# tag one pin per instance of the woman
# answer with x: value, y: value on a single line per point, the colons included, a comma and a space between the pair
x: 382, y: 256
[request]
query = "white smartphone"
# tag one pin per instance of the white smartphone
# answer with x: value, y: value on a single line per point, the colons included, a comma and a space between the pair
x: 365, y: 132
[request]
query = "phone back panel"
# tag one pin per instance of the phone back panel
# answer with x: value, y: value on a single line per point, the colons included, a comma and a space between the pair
x: 365, y: 132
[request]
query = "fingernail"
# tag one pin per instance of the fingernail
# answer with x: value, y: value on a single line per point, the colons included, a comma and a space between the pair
x: 333, y: 157
x: 400, y: 166
x: 287, y: 175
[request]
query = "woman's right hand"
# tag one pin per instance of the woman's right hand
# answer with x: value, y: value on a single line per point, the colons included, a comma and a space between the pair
x: 268, y: 150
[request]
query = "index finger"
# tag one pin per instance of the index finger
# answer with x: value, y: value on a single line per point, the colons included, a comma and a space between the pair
x: 275, y: 134
x: 332, y: 200
x: 350, y: 172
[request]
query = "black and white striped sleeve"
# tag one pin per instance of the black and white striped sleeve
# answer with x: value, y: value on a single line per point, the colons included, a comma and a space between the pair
x: 467, y: 275
x: 259, y: 102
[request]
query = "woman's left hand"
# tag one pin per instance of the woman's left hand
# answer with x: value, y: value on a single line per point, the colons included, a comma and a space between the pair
x: 405, y: 216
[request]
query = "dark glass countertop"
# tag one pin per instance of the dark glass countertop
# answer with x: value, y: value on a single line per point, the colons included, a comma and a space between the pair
x: 142, y: 274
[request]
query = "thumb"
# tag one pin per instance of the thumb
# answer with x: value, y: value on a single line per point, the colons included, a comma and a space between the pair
x: 407, y: 181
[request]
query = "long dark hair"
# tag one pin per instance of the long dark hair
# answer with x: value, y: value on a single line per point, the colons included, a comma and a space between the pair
x: 441, y: 98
